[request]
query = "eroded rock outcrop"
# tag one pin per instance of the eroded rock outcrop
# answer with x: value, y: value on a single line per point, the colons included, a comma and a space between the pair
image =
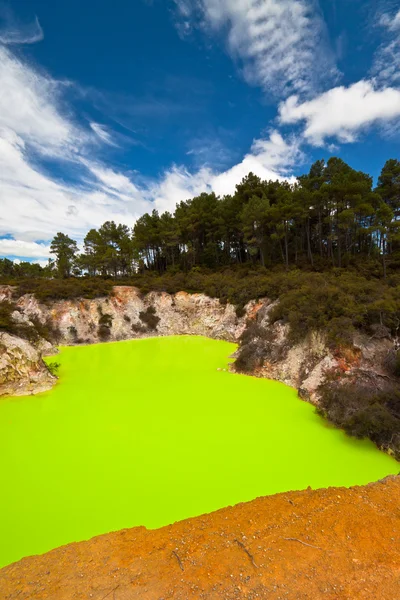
x: 124, y: 314
x: 266, y: 349
x: 22, y: 370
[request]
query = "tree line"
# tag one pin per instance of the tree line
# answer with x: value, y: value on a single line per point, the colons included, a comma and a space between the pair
x: 330, y: 217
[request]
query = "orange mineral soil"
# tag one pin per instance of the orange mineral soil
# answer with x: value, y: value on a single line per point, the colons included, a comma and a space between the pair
x: 335, y: 543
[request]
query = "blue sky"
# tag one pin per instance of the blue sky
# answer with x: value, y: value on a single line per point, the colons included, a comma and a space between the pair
x: 110, y: 109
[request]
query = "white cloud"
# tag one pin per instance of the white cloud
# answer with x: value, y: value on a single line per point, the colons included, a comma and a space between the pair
x: 342, y: 111
x: 24, y: 249
x: 281, y: 42
x: 269, y: 159
x: 178, y: 184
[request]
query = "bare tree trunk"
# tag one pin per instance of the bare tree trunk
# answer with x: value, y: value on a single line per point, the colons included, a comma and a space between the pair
x: 286, y: 247
x: 262, y: 256
x: 384, y: 258
x: 320, y: 232
x: 310, y: 256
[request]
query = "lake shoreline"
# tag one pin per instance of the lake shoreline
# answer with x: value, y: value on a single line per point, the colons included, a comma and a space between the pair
x: 129, y: 424
x: 296, y: 543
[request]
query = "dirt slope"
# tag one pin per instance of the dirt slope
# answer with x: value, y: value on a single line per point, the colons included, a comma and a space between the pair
x: 334, y: 543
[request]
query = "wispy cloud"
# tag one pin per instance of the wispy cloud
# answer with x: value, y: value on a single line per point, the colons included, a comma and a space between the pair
x: 281, y: 43
x: 24, y: 249
x: 165, y: 100
x: 103, y: 133
x: 29, y: 106
x: 342, y: 112
x: 14, y: 32
x: 390, y: 20
x: 386, y: 67
x: 215, y: 148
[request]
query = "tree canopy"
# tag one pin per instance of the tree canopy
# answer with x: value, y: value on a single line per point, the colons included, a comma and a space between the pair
x: 330, y: 217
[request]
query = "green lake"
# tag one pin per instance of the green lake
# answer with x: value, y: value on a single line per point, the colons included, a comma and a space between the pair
x: 148, y: 432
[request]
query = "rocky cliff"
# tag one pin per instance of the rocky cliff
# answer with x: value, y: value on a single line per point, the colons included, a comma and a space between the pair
x: 126, y: 314
x: 22, y: 370
x: 266, y: 350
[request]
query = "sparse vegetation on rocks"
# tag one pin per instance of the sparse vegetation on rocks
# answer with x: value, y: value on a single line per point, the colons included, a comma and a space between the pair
x: 105, y: 324
x: 150, y: 318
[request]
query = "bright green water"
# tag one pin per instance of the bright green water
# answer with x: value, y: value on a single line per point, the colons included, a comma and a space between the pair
x: 148, y: 432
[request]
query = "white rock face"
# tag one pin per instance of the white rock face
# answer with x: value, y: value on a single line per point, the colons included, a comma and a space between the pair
x: 304, y: 366
x: 5, y: 292
x: 78, y: 321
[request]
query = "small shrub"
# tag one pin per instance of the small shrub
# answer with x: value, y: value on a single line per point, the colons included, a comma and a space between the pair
x: 396, y: 368
x: 240, y: 311
x: 379, y: 332
x: 149, y: 317
x: 105, y: 324
x: 46, y: 330
x: 374, y: 422
x: 363, y: 412
x: 248, y: 359
x: 340, y: 332
x: 53, y: 367
x: 138, y: 328
x: 63, y: 289
x: 7, y: 324
x: 127, y: 318
x: 106, y: 320
x: 103, y: 332
x: 254, y: 331
x: 73, y: 332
